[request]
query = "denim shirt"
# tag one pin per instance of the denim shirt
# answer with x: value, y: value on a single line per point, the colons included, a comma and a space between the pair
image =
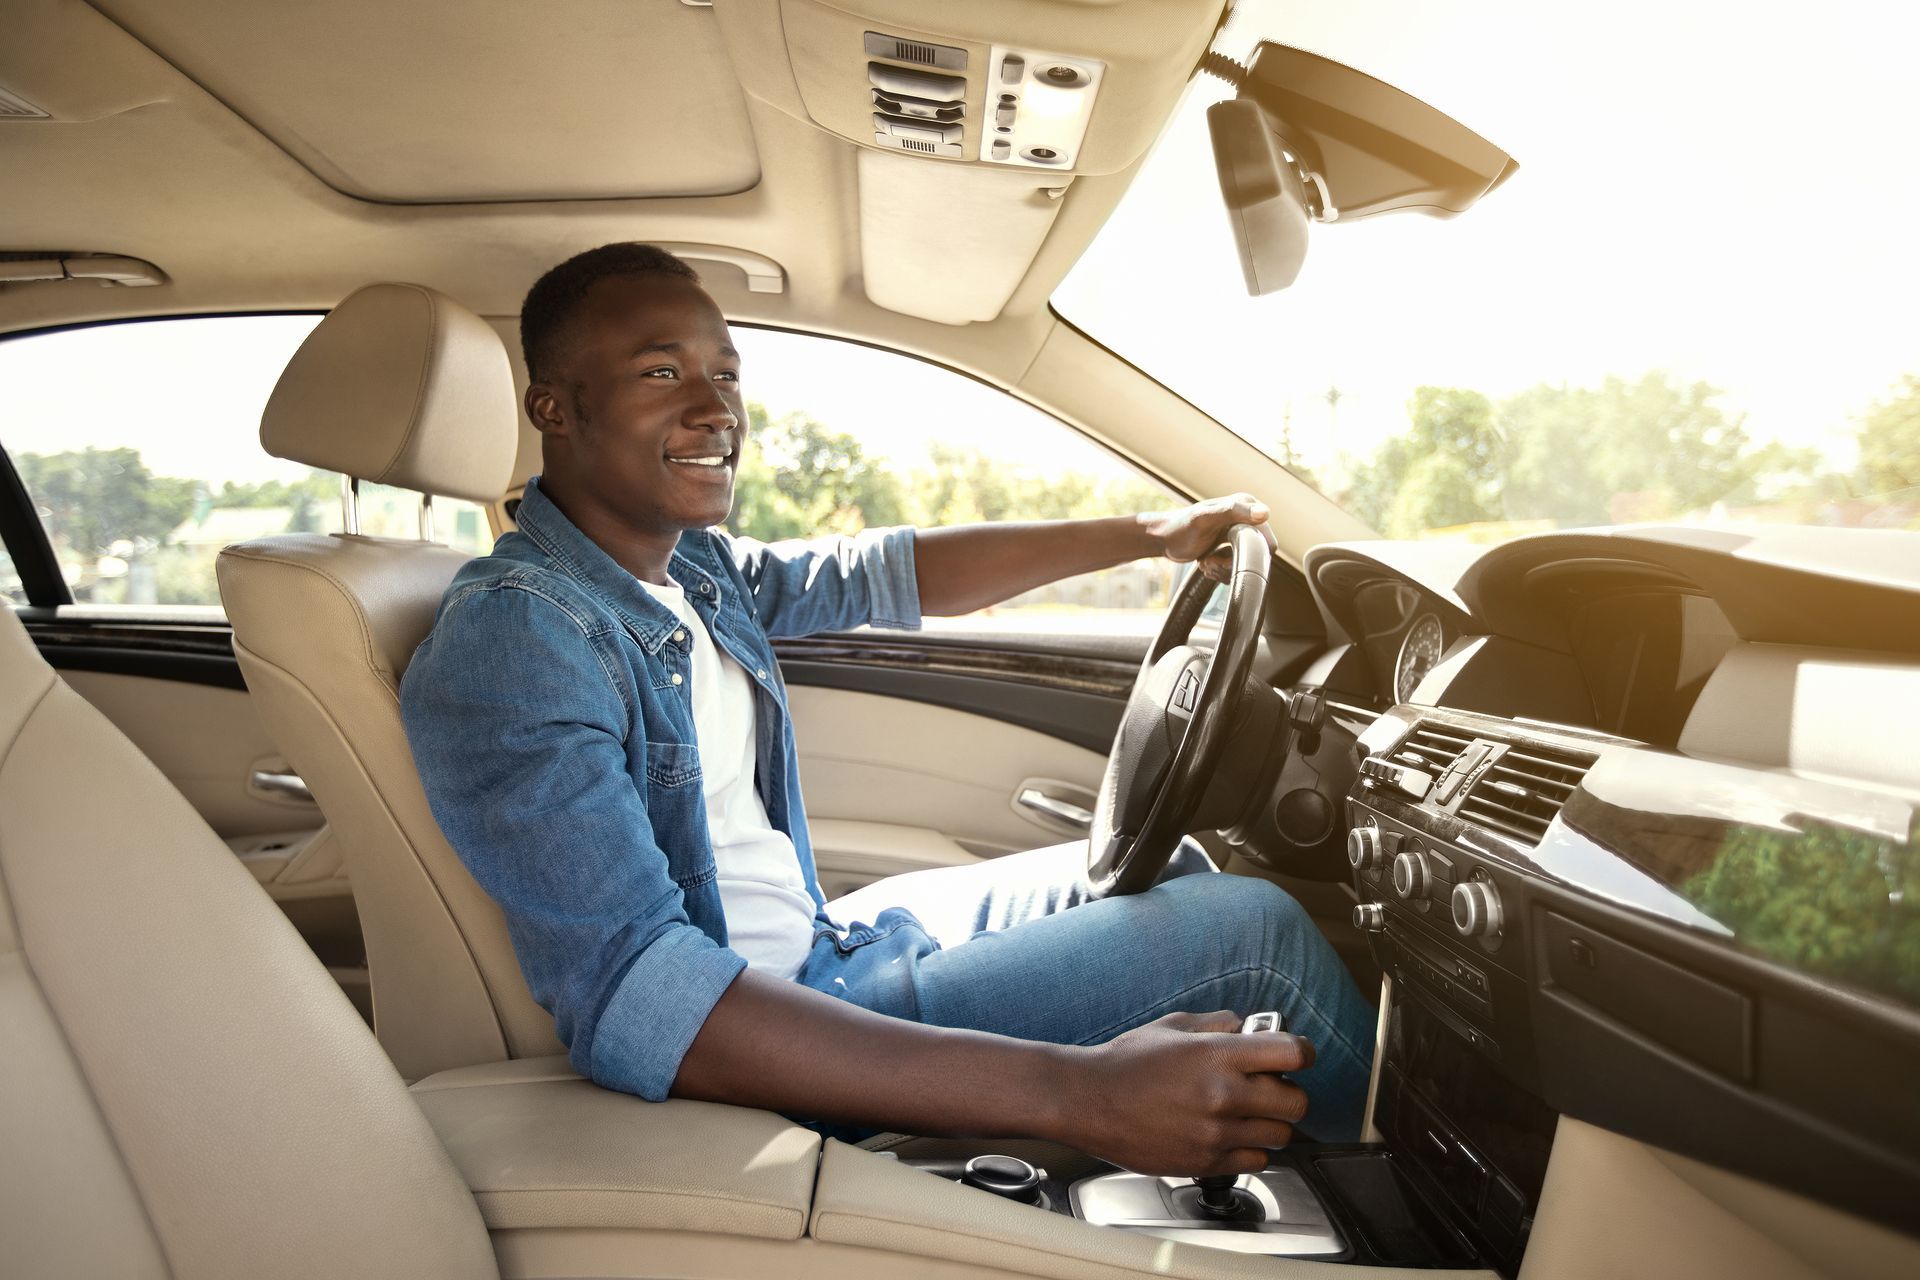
x: 551, y: 717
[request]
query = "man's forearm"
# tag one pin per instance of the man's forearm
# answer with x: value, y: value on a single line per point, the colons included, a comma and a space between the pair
x: 773, y: 1044
x: 1173, y: 1097
x: 969, y: 567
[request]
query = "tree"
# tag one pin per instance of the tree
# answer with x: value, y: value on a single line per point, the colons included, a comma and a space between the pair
x: 800, y: 477
x: 1890, y: 441
x: 1444, y: 470
x: 1649, y: 449
x: 100, y: 502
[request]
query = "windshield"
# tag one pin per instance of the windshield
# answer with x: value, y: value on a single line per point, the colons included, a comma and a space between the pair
x: 1693, y: 302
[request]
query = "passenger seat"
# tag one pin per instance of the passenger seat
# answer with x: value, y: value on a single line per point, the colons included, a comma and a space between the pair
x: 186, y: 1091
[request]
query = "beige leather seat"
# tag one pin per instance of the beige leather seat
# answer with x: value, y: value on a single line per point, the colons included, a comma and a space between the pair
x: 183, y: 1090
x: 401, y: 386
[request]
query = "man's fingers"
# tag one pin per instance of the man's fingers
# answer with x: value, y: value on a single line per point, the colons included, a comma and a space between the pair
x: 1264, y: 1051
x: 1265, y: 1135
x: 1219, y: 1020
x: 1271, y: 1098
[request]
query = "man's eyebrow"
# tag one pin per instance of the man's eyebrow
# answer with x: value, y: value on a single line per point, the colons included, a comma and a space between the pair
x: 674, y: 349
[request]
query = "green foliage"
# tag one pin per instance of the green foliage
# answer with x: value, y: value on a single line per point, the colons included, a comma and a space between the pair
x: 95, y: 499
x: 307, y: 498
x: 799, y: 478
x: 1890, y: 441
x: 1828, y: 901
x: 1650, y: 449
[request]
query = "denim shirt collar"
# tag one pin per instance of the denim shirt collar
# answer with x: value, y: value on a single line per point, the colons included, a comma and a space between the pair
x: 650, y: 621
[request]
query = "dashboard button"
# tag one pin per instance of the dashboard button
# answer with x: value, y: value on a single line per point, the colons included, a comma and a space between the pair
x: 1369, y: 917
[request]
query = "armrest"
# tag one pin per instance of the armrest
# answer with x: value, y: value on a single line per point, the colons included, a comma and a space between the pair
x: 541, y: 1147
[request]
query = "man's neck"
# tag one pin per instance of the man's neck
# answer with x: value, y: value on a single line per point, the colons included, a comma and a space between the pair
x: 641, y: 551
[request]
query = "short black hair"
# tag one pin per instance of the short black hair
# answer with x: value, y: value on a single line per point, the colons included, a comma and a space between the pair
x: 555, y: 296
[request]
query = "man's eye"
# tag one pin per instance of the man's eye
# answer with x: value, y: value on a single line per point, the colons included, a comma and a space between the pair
x: 730, y: 375
x: 667, y: 371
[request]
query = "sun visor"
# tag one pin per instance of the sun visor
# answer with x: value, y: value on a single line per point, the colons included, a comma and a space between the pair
x: 950, y: 242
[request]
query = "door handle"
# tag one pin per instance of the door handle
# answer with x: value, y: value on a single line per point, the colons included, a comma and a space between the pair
x: 1053, y: 807
x: 286, y: 785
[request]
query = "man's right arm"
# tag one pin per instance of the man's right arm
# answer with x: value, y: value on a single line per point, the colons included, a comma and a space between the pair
x: 1183, y: 1095
x: 520, y: 734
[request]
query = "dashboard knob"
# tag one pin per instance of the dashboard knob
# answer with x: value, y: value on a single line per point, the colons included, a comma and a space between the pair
x: 1368, y: 848
x: 1410, y: 874
x: 1476, y: 909
x: 1370, y: 917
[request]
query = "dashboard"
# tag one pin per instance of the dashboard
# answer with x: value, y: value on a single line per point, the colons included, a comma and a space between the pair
x: 1632, y: 828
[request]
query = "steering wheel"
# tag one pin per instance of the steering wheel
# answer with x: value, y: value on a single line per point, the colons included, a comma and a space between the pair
x: 1179, y: 717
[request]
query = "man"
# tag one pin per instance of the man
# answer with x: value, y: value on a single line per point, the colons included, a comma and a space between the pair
x: 603, y: 734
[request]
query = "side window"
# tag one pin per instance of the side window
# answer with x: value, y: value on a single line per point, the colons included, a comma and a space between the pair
x: 139, y: 446
x: 843, y: 437
x: 11, y: 592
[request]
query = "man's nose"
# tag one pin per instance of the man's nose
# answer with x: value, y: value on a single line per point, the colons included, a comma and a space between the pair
x: 710, y: 410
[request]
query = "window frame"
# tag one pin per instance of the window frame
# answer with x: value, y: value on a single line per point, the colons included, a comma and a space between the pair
x: 25, y: 534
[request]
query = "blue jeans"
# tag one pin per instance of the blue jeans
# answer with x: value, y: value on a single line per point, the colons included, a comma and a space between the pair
x: 1017, y: 946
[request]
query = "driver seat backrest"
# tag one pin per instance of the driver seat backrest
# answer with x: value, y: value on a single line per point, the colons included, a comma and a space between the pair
x: 399, y: 385
x: 186, y: 1092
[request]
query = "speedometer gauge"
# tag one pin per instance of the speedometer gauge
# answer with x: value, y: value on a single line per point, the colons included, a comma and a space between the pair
x: 1419, y: 654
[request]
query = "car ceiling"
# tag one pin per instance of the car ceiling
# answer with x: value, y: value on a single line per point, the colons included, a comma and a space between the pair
x: 280, y: 155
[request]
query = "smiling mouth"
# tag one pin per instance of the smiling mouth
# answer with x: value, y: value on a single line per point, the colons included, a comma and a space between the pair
x: 711, y: 460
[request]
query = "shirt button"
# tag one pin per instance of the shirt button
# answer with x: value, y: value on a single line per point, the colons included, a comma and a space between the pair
x: 762, y: 673
x: 678, y: 679
x: 706, y: 588
x: 678, y: 636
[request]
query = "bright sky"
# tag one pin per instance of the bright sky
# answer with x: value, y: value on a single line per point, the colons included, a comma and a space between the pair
x: 1724, y: 190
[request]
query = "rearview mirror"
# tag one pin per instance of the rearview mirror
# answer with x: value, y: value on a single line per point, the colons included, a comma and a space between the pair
x: 1309, y: 139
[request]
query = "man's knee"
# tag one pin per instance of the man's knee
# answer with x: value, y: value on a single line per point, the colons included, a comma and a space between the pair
x: 1256, y: 912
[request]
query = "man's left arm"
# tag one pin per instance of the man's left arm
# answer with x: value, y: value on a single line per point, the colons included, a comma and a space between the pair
x: 968, y: 567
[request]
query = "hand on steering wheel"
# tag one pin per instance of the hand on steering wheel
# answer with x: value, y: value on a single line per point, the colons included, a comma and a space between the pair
x: 1174, y: 732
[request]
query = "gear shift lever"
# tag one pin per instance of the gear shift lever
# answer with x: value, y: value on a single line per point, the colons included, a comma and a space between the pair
x: 1218, y: 1195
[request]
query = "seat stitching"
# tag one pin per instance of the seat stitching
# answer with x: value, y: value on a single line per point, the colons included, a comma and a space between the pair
x: 426, y: 376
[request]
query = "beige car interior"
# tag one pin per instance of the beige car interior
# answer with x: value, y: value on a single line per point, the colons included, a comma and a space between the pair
x: 186, y: 1092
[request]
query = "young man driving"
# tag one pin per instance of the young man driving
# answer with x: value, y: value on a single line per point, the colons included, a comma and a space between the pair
x: 603, y: 734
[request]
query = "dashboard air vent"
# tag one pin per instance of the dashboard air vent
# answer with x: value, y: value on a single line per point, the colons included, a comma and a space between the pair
x: 1523, y: 789
x: 1433, y: 747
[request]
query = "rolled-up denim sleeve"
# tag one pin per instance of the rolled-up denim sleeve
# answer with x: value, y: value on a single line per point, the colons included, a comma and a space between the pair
x: 522, y: 742
x: 832, y: 584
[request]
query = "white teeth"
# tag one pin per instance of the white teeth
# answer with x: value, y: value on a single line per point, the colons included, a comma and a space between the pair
x: 700, y: 462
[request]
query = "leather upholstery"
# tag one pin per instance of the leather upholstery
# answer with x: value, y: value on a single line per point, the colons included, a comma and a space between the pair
x: 186, y: 1091
x: 323, y: 627
x: 541, y: 1148
x: 403, y: 386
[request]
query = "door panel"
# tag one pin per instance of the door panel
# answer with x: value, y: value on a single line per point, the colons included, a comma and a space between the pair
x: 208, y: 741
x: 932, y: 784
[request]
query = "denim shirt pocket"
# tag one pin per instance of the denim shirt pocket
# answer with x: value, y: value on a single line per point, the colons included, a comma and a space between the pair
x: 676, y: 807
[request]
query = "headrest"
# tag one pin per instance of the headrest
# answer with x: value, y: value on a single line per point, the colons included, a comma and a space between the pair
x: 400, y: 385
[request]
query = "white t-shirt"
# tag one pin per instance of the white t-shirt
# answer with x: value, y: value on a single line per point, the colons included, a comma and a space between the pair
x: 769, y: 911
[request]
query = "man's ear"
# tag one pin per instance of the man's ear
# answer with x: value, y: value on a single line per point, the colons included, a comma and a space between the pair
x: 544, y: 412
